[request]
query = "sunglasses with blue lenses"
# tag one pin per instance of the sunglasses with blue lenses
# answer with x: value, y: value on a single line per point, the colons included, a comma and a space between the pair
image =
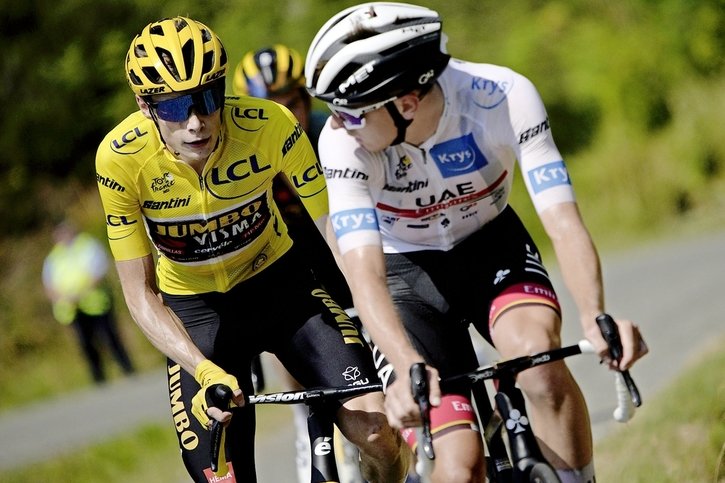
x: 204, y: 102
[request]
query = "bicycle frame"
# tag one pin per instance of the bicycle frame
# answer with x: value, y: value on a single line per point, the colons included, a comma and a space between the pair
x: 323, y: 404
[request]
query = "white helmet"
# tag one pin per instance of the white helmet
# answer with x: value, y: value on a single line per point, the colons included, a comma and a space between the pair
x: 375, y: 52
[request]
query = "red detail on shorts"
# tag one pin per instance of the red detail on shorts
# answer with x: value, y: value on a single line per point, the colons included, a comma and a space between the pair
x: 522, y: 293
x: 228, y: 478
x: 455, y: 411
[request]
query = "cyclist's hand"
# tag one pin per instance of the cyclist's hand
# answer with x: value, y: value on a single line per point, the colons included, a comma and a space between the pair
x: 401, y: 409
x: 633, y: 344
x: 208, y: 374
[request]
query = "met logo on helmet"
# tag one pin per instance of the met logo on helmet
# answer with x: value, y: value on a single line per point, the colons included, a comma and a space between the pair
x: 358, y: 76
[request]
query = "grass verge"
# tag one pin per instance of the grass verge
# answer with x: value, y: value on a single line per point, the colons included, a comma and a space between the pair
x: 679, y: 436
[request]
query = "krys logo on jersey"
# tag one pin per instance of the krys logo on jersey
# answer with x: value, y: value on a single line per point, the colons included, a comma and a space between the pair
x: 458, y: 156
x: 222, y: 233
x: 548, y: 176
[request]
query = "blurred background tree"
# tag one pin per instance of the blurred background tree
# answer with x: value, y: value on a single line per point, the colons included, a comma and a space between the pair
x: 635, y: 92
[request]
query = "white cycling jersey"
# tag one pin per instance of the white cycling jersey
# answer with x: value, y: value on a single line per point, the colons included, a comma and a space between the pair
x: 432, y: 196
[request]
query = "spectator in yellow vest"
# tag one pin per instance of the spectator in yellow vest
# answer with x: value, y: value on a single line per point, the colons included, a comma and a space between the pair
x: 74, y: 277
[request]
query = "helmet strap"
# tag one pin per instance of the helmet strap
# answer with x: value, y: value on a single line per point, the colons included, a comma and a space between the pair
x: 401, y: 123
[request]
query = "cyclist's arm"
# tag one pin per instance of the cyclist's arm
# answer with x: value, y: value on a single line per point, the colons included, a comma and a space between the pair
x: 364, y: 268
x: 579, y: 264
x: 581, y: 269
x: 358, y: 244
x: 160, y: 325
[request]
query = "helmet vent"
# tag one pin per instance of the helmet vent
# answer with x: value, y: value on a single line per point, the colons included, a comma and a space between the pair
x: 140, y: 51
x: 187, y: 51
x: 208, y: 62
x: 151, y: 74
x: 181, y: 24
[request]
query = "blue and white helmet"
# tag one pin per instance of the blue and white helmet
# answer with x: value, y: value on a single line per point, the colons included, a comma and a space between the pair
x: 375, y: 52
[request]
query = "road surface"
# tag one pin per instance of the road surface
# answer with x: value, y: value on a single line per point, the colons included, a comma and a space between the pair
x: 671, y: 289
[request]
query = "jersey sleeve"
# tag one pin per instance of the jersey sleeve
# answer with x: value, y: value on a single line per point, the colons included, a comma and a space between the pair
x: 349, y: 178
x: 303, y: 170
x: 545, y: 174
x: 124, y: 222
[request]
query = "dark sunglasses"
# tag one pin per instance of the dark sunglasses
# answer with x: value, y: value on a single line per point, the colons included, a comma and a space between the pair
x: 204, y: 102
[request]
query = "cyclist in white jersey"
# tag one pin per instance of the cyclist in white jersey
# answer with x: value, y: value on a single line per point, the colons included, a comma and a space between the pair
x: 419, y: 158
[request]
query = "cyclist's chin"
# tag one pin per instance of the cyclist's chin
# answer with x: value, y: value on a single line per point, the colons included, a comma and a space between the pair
x: 191, y: 154
x: 370, y: 145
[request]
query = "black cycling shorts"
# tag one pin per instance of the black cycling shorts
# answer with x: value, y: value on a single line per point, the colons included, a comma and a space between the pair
x: 281, y: 310
x: 439, y: 293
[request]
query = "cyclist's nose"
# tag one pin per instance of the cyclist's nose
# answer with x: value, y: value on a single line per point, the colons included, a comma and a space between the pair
x: 194, y: 122
x: 336, y: 122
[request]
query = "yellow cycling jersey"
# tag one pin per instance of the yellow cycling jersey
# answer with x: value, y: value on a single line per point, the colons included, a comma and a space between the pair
x: 213, y: 230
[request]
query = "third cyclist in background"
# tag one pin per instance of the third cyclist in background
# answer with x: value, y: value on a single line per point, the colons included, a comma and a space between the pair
x: 277, y: 73
x: 419, y: 157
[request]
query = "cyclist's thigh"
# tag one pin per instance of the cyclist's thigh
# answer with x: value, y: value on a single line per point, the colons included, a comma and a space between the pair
x: 328, y: 349
x: 498, y: 268
x: 527, y: 329
x: 436, y: 333
x: 459, y: 452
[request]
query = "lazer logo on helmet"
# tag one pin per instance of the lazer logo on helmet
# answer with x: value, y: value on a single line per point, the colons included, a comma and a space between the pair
x: 358, y: 76
x: 215, y: 75
x: 458, y: 156
x: 148, y: 91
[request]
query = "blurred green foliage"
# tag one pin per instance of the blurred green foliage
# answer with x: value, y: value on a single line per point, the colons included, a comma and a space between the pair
x: 635, y: 92
x: 614, y: 75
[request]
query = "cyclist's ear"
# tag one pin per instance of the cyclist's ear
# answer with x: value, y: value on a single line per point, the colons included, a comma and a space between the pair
x: 143, y: 107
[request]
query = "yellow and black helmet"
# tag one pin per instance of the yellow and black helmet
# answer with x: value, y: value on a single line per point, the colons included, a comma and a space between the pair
x: 174, y: 55
x: 269, y: 71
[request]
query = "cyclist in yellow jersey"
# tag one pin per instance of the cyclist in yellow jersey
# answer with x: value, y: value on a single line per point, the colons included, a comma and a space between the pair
x: 191, y: 173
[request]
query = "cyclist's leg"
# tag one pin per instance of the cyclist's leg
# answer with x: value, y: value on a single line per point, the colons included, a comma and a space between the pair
x: 299, y: 415
x: 445, y: 343
x: 524, y: 314
x: 556, y: 405
x: 362, y: 421
x: 329, y: 350
x: 210, y: 321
